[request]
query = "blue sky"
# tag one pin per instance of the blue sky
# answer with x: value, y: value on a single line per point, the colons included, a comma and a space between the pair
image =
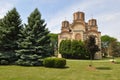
x: 107, y: 12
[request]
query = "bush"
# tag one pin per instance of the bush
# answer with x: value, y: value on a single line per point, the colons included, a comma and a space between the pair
x: 4, y: 62
x: 48, y: 62
x: 73, y: 49
x: 54, y: 62
x: 59, y: 63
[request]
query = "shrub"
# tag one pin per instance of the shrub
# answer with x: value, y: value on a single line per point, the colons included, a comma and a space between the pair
x: 48, y: 62
x: 54, y: 62
x: 59, y: 62
x: 73, y: 49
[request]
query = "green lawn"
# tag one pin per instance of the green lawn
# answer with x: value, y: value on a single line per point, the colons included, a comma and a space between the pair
x: 78, y: 70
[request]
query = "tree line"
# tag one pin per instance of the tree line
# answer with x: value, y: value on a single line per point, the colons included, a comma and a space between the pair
x: 28, y: 44
x: 110, y: 47
x: 79, y: 50
x: 24, y: 44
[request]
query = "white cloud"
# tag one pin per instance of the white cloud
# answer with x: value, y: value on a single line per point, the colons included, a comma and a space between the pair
x: 108, y: 21
x: 109, y: 24
x: 4, y: 10
x: 5, y: 6
x: 54, y: 23
x: 109, y: 17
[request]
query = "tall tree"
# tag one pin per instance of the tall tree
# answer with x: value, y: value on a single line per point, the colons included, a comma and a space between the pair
x: 114, y: 49
x: 78, y: 50
x: 92, y: 47
x: 65, y: 48
x: 108, y: 45
x: 10, y: 28
x: 54, y: 43
x: 36, y: 43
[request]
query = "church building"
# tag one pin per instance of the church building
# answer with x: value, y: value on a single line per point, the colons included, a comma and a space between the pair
x: 80, y: 30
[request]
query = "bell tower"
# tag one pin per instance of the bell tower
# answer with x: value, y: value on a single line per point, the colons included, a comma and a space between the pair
x: 65, y: 26
x: 92, y: 23
x: 79, y: 16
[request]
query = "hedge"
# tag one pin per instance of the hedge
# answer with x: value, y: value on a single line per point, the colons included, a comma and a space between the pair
x: 54, y: 62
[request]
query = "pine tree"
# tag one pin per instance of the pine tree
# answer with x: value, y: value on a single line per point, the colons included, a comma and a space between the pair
x: 35, y: 43
x: 10, y: 27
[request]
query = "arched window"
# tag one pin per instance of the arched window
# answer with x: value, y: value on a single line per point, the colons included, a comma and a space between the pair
x: 78, y: 36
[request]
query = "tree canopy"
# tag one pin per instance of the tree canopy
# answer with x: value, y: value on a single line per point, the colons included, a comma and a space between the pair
x: 36, y: 43
x: 54, y: 43
x: 10, y: 28
x: 110, y: 46
x: 73, y: 49
x: 91, y: 46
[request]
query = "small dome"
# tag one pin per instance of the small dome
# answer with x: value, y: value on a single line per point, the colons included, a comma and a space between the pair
x: 65, y: 23
x: 92, y: 22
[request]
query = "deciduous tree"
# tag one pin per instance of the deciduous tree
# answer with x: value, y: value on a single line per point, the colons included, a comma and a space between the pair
x: 91, y: 46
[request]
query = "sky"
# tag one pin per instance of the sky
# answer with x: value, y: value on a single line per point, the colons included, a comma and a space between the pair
x: 107, y: 12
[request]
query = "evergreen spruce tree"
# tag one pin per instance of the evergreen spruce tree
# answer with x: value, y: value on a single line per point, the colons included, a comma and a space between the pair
x: 10, y: 27
x: 35, y: 43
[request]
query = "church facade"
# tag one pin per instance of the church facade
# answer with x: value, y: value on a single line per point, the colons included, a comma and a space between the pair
x: 80, y: 30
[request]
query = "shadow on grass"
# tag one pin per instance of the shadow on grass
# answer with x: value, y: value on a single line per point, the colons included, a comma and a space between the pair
x: 66, y: 67
x: 103, y: 68
x: 117, y: 62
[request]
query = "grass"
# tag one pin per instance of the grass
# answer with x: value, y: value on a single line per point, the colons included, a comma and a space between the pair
x: 77, y: 70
